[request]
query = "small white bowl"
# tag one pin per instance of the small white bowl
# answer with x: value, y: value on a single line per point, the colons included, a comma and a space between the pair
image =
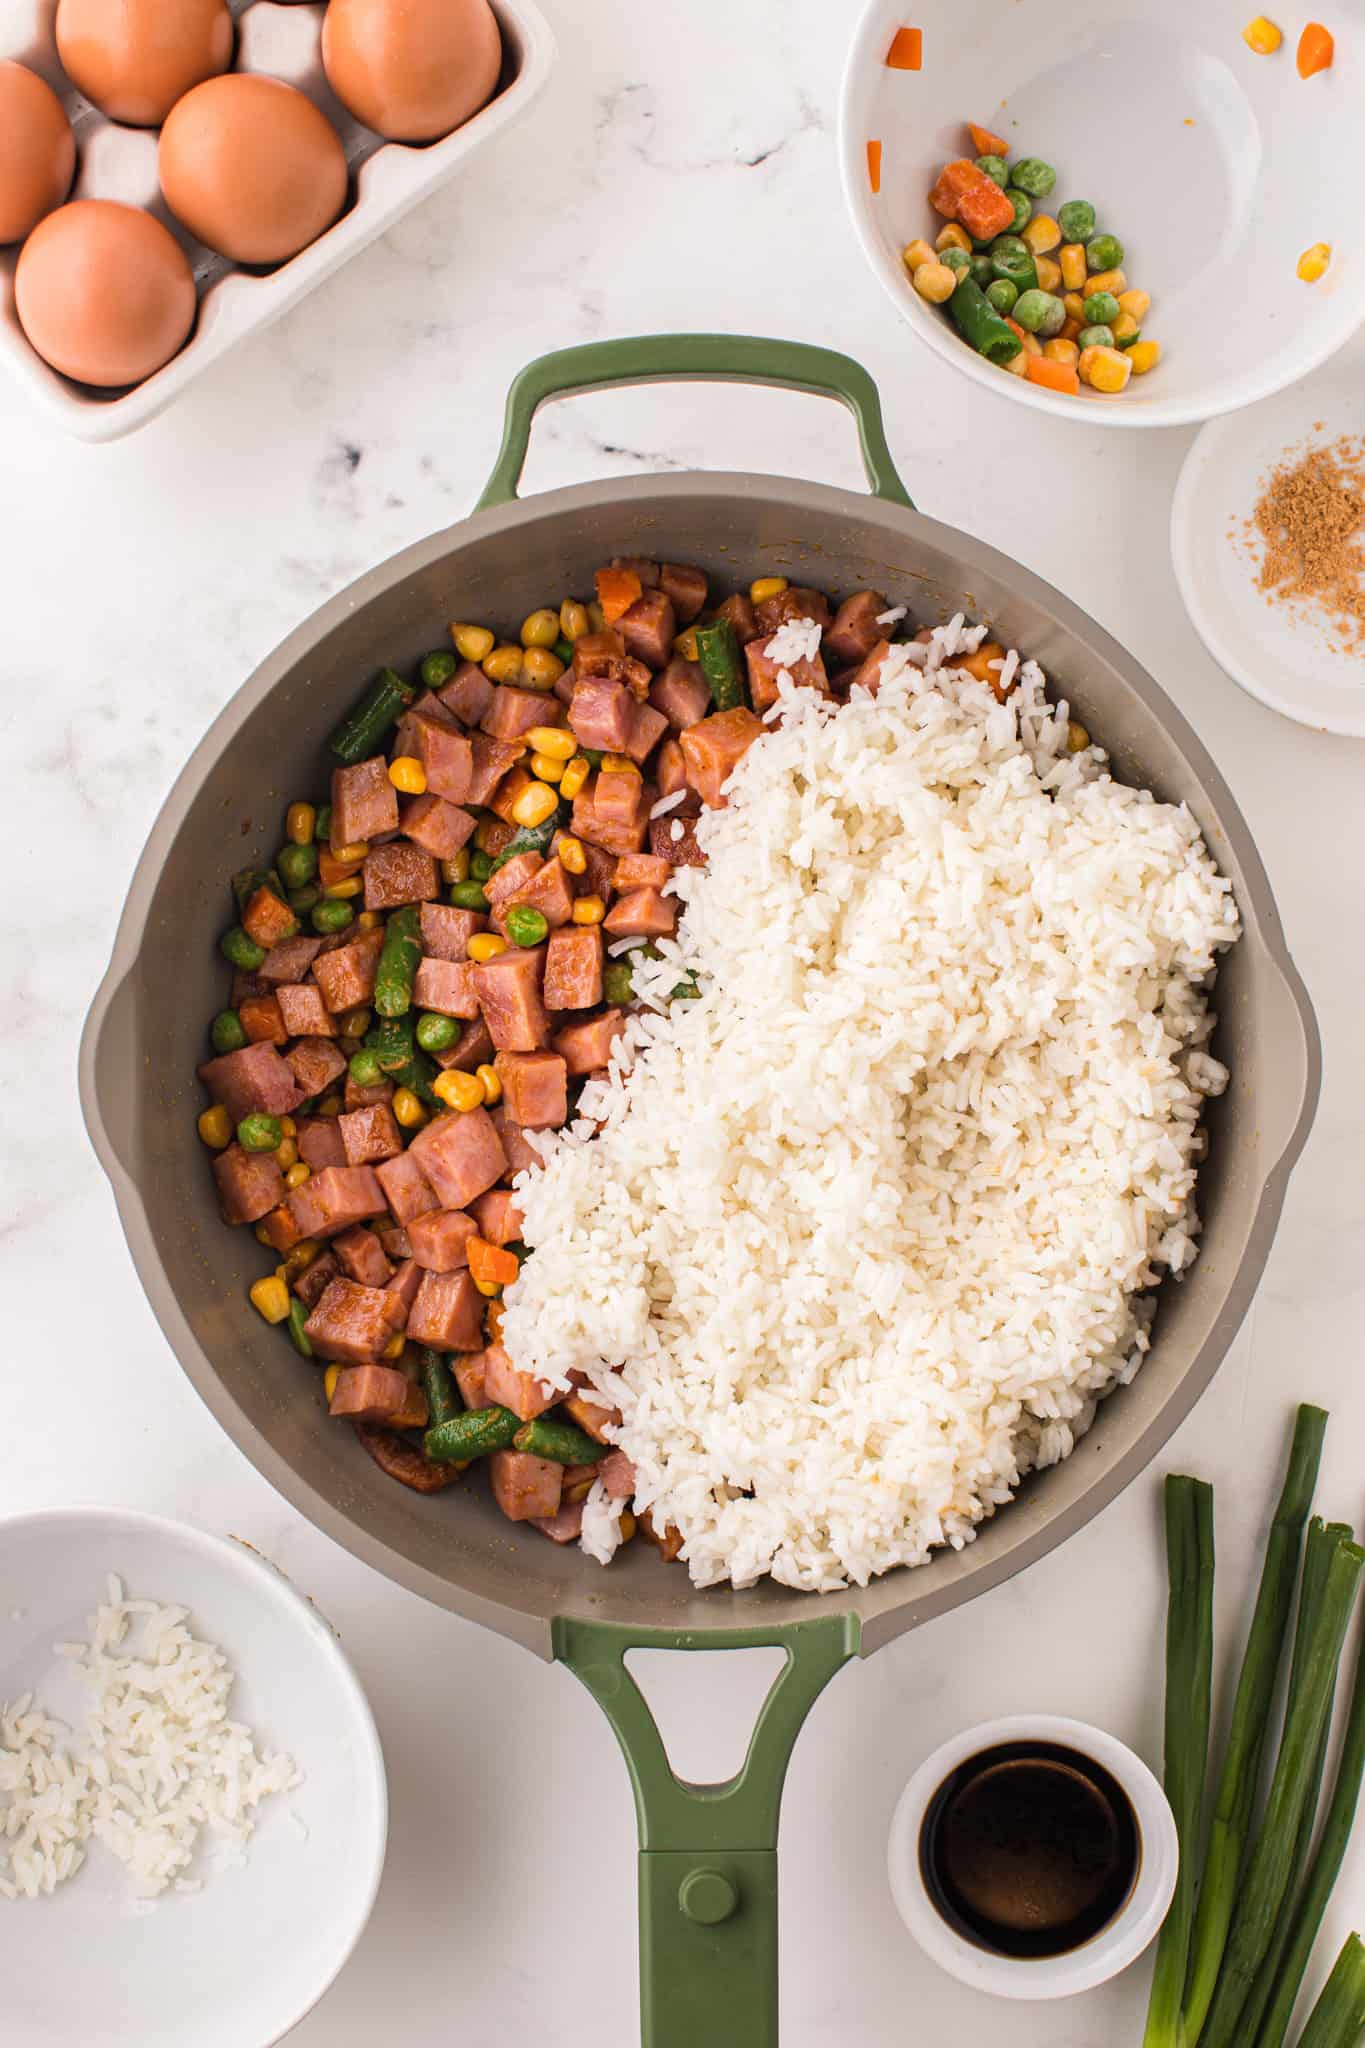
x: 1283, y: 654
x: 238, y: 1964
x: 1215, y: 167
x: 1117, y: 1945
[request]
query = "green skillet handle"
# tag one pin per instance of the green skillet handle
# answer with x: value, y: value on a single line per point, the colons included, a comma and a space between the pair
x: 687, y: 358
x: 708, y: 1853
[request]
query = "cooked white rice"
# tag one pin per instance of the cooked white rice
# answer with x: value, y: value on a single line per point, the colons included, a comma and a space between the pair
x: 157, y: 1761
x: 870, y: 1226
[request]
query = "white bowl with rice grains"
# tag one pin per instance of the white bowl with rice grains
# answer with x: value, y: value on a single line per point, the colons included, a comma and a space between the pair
x: 192, y: 1796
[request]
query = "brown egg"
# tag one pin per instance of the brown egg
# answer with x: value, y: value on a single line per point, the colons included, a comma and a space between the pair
x: 104, y: 292
x: 252, y: 167
x: 37, y: 151
x: 134, y: 58
x: 411, y: 69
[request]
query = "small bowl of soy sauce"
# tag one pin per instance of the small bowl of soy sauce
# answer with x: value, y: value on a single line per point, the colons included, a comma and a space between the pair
x: 1033, y: 1857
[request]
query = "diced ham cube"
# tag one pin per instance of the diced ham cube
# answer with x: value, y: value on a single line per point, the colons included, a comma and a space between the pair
x: 468, y: 694
x: 527, y: 1489
x: 509, y: 989
x: 267, y: 920
x: 586, y: 1046
x: 357, y: 1097
x: 404, y: 1284
x: 869, y: 675
x: 406, y: 1188
x: 291, y: 959
x: 447, y: 986
x: 573, y: 966
x: 491, y: 760
x: 639, y: 871
x: 671, y: 769
x: 467, y: 1372
x: 361, y: 1257
x: 601, y: 829
x: 681, y: 693
x: 319, y: 1142
x: 403, y: 1461
x: 315, y: 1064
x: 438, y: 827
x: 643, y: 913
x: 336, y: 1198
x: 364, y: 802
x: 592, y: 1415
x: 534, y: 1087
x: 686, y: 587
x: 244, y: 985
x: 447, y: 1313
x: 512, y: 713
x: 549, y: 891
x: 600, y: 713
x: 263, y: 1020
x: 497, y: 1216
x: 369, y: 1393
x: 519, y: 1153
x: 617, y: 796
x: 473, y: 1048
x: 713, y: 750
x: 461, y: 1155
x: 253, y: 1078
x: 346, y: 975
x: 448, y: 761
x: 250, y: 1184
x: 414, y: 1413
x: 511, y: 876
x: 641, y: 566
x: 796, y: 602
x: 740, y: 612
x: 648, y: 628
x: 394, y: 1239
x: 370, y: 1134
x: 446, y: 932
x: 594, y: 654
x: 855, y: 631
x: 396, y: 873
x: 303, y: 1010
x: 312, y: 1283
x: 682, y: 851
x: 440, y: 1239
x: 617, y: 1475
x: 427, y: 710
x: 564, y: 1527
x: 764, y: 671
x: 350, y: 1322
x: 647, y: 728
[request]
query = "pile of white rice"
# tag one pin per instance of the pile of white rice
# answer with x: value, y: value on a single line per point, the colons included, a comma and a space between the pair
x: 158, y: 1760
x: 869, y: 1227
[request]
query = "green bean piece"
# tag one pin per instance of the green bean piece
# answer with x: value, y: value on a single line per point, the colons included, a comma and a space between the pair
x: 259, y: 1133
x: 981, y: 272
x: 298, y: 1336
x: 531, y: 838
x: 718, y: 653
x: 323, y: 827
x: 226, y: 1032
x: 393, y: 1041
x: 476, y: 1433
x: 480, y: 865
x: 685, y: 991
x: 438, y: 668
x: 1103, y: 252
x: 1101, y: 309
x: 592, y: 755
x: 438, y: 1384
x: 298, y: 865
x: 563, y: 650
x: 362, y: 732
x: 365, y: 1069
x: 398, y: 960
x: 333, y: 914
x: 468, y: 896
x: 248, y: 880
x: 980, y: 325
x: 1012, y: 257
x: 561, y: 1441
x: 1095, y: 337
x: 526, y: 926
x: 436, y: 1033
x: 1040, y: 313
x: 956, y: 260
x: 996, y: 169
x: 617, y: 985
x: 1023, y: 207
x: 1338, y: 2018
x: 420, y: 1075
x: 303, y: 901
x: 1001, y: 294
x: 1076, y: 219
x: 1033, y: 176
x: 241, y: 950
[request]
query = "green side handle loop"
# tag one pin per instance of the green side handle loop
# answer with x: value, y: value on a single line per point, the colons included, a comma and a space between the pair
x: 691, y: 358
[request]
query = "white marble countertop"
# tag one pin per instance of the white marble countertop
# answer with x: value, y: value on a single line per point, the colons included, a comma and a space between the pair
x: 675, y: 179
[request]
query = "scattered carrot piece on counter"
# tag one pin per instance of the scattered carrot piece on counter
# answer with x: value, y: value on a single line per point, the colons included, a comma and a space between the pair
x: 907, y: 50
x: 874, y: 174
x: 1262, y: 36
x: 1316, y: 49
x: 1313, y: 263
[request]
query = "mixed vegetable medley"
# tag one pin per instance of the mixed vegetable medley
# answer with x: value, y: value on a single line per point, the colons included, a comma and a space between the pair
x: 1044, y: 296
x: 440, y: 955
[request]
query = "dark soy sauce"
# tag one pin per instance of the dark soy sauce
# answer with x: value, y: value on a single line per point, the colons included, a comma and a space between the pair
x: 1029, y: 1849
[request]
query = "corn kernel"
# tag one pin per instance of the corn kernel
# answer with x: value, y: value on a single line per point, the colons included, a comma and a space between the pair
x: 574, y: 776
x: 1144, y: 356
x: 935, y: 282
x: 1059, y: 351
x: 597, y: 618
x: 301, y: 1256
x: 627, y: 1522
x: 395, y: 1347
x: 1313, y: 262
x: 571, y: 855
x: 686, y: 643
x: 1017, y: 364
x: 540, y: 670
x: 329, y: 1382
x: 488, y: 1287
x: 552, y: 740
x: 1070, y: 329
x: 1071, y: 260
x: 456, y: 869
x: 1077, y: 738
x: 488, y: 836
x: 215, y: 1127
x: 766, y: 586
x: 407, y: 774
x: 1107, y: 281
x: 534, y: 805
x: 1041, y: 233
x: 1125, y: 328
x: 546, y: 767
x: 457, y: 1090
x: 951, y: 236
x: 286, y: 1154
x: 540, y: 629
x: 1074, y: 304
x: 330, y: 1105
x: 1135, y: 302
x: 298, y: 1173
x: 490, y: 1081
x: 300, y: 824
x: 1049, y: 274
x: 1262, y: 36
x: 351, y: 855
x: 1032, y: 345
x: 1105, y: 369
x: 618, y: 764
x: 407, y: 1108
x: 573, y: 619
x: 472, y: 643
x: 503, y: 665
x: 580, y: 1490
x: 589, y: 910
x: 270, y: 1298
x: 368, y: 921
x: 288, y: 1127
x: 262, y: 1236
x: 351, y: 885
x: 485, y: 946
x: 917, y: 252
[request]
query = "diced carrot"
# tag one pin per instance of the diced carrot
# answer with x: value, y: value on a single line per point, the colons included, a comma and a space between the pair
x: 986, y: 144
x: 985, y: 211
x: 1316, y: 49
x: 907, y: 50
x: 1053, y: 376
x: 490, y: 1263
x: 954, y: 179
x: 617, y: 590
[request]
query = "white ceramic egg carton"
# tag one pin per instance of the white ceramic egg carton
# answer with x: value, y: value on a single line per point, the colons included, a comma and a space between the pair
x: 387, y: 180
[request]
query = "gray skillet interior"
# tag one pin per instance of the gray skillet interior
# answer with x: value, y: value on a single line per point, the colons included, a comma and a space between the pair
x: 146, y: 1032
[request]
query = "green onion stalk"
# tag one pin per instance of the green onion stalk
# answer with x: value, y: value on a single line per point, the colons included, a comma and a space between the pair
x: 1338, y: 2018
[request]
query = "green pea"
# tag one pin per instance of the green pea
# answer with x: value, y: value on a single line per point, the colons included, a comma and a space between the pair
x: 333, y: 914
x: 1098, y: 336
x: 981, y: 272
x: 956, y: 260
x: 1001, y: 294
x: 259, y: 1133
x: 617, y: 985
x: 995, y: 168
x: 1022, y: 204
x: 297, y: 865
x: 438, y: 668
x: 226, y: 1033
x: 1076, y: 219
x: 1102, y: 309
x: 1033, y: 176
x: 241, y: 950
x: 436, y: 1033
x: 1105, y: 252
x: 365, y: 1069
x: 301, y: 901
x: 323, y: 828
x: 563, y: 650
x: 468, y: 896
x: 1040, y: 313
x: 526, y: 926
x: 480, y: 865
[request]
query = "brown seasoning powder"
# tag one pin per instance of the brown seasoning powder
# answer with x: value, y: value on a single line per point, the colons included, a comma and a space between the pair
x: 1310, y: 517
